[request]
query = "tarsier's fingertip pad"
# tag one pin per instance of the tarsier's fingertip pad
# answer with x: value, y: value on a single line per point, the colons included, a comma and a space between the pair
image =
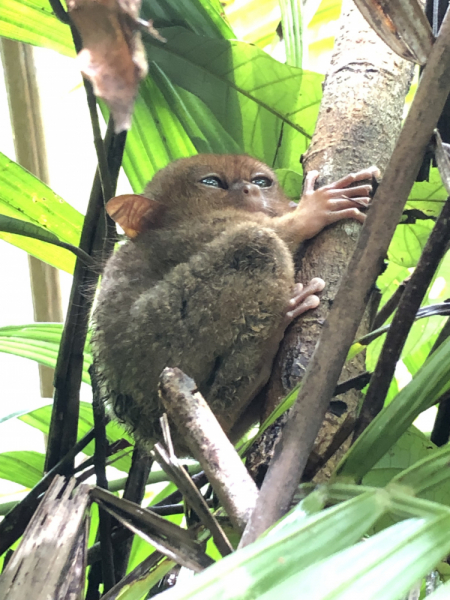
x: 313, y: 301
x: 318, y: 283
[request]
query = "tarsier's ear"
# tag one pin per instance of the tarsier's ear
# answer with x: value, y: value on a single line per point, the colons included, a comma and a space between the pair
x: 134, y: 213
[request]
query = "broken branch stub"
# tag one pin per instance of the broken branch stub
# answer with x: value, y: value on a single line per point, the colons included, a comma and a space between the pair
x: 208, y: 443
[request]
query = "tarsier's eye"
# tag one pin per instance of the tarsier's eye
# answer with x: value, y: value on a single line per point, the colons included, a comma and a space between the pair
x: 262, y: 182
x: 213, y: 181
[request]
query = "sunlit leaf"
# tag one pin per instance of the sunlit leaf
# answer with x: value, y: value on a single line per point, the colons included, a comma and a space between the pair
x: 429, y: 477
x: 25, y: 467
x: 40, y: 419
x: 239, y: 79
x: 137, y: 589
x: 428, y: 196
x: 291, y: 182
x: 33, y: 21
x: 39, y: 342
x: 24, y: 197
x: 411, y: 447
x: 408, y: 243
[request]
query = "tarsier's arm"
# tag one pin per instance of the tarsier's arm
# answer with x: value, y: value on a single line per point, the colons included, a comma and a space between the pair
x: 324, y: 206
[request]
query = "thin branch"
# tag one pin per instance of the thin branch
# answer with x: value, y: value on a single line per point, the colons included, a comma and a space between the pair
x: 390, y: 306
x: 100, y: 454
x: 358, y: 382
x: 338, y: 333
x: 411, y: 299
x: 193, y: 497
x: 59, y: 11
x: 173, y: 541
x: 141, y: 464
x: 199, y: 480
x: 103, y: 168
x: 122, y: 535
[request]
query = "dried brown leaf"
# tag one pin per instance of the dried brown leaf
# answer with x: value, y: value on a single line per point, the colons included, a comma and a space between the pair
x: 402, y: 25
x: 113, y: 56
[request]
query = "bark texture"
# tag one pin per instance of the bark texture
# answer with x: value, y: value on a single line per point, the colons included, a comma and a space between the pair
x: 358, y: 125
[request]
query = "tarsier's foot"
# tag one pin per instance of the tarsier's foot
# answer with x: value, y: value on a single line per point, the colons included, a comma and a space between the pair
x: 304, y: 298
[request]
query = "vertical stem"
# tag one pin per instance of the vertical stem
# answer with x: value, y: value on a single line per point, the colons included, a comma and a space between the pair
x: 29, y: 144
x: 291, y: 20
x: 410, y: 302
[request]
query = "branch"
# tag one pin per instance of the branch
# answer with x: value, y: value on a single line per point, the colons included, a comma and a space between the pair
x: 338, y: 333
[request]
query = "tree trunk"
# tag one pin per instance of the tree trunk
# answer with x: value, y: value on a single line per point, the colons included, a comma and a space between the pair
x: 358, y: 125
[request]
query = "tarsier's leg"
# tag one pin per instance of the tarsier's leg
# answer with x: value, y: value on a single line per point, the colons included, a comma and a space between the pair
x: 301, y: 300
x: 219, y: 318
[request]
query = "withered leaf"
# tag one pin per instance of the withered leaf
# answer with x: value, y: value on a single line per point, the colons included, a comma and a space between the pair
x: 113, y: 56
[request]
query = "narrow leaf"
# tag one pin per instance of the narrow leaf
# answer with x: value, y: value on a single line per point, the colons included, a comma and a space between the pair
x: 24, y: 197
x: 24, y: 467
x: 429, y: 383
x: 273, y: 558
x: 11, y: 225
x: 385, y: 566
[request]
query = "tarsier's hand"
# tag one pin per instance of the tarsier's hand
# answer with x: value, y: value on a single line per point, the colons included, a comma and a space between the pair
x: 333, y: 202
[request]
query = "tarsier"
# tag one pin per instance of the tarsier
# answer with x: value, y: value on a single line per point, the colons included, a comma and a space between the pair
x: 206, y: 283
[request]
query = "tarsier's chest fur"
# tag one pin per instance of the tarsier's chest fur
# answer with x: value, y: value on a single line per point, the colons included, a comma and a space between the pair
x: 208, y: 315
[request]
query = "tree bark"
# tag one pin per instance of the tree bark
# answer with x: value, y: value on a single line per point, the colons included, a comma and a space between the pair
x: 358, y: 124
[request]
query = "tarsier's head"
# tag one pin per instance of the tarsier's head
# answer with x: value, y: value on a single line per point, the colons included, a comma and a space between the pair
x: 198, y: 185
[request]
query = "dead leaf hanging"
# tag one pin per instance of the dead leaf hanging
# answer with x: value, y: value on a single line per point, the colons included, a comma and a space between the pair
x: 113, y: 56
x: 402, y: 25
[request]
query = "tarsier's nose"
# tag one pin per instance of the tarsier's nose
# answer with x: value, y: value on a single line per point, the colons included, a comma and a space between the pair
x: 246, y: 188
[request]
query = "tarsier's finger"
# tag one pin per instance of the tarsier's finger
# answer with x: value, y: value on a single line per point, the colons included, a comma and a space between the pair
x: 344, y: 202
x: 359, y: 176
x: 310, y: 180
x: 298, y: 287
x: 348, y: 213
x: 308, y: 304
x: 360, y: 190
